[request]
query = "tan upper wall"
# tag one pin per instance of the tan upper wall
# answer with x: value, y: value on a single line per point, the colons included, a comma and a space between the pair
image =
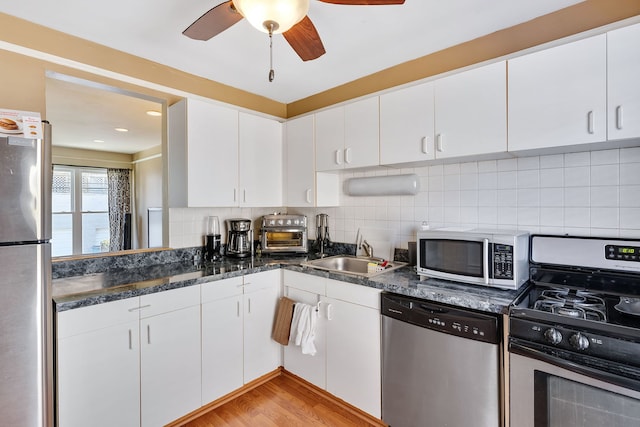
x: 27, y: 75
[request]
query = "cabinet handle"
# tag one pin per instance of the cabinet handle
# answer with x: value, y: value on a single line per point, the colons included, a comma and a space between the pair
x: 235, y: 194
x: 148, y: 334
x: 249, y: 306
x: 308, y: 195
x: 244, y: 195
x: 131, y: 310
x: 619, y: 117
x: 347, y: 155
x: 440, y: 143
x: 590, y: 122
x: 329, y: 311
x: 130, y: 340
x: 238, y: 308
x: 338, y: 161
x: 425, y: 147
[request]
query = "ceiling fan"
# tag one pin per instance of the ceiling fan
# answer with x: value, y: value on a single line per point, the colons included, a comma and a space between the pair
x: 288, y: 17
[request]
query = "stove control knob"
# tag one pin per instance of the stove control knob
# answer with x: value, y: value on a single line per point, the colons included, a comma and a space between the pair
x: 553, y: 336
x: 579, y: 341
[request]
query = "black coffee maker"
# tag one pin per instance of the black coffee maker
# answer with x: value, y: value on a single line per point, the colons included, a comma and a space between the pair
x: 239, y: 238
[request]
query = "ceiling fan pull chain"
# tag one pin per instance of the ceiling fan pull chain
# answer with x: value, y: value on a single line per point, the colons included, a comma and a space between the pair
x: 272, y: 73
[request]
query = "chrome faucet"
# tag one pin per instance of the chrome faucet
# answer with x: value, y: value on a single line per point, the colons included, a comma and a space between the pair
x: 367, y: 248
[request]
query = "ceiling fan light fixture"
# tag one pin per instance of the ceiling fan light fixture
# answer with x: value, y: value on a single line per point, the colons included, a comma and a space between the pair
x: 262, y: 13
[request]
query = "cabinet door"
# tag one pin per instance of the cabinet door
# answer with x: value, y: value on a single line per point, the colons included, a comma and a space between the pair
x: 330, y: 139
x: 99, y: 378
x: 300, y: 162
x: 353, y: 354
x: 170, y: 365
x: 310, y: 368
x: 361, y: 133
x: 199, y: 136
x: 406, y: 125
x: 471, y: 112
x: 98, y: 365
x: 261, y: 353
x: 623, y: 68
x: 260, y: 161
x: 222, y: 364
x: 557, y: 97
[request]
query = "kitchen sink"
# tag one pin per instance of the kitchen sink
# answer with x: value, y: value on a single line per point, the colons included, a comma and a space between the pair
x: 349, y: 264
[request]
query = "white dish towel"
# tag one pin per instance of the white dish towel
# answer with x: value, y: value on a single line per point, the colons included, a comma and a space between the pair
x: 303, y: 328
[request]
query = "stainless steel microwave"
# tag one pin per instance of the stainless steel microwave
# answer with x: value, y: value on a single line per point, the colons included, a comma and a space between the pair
x: 496, y: 258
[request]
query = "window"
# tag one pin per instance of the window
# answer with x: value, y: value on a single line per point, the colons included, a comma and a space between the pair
x: 80, y: 210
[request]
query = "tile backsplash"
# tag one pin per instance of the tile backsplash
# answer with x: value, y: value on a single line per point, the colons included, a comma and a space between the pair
x: 594, y: 193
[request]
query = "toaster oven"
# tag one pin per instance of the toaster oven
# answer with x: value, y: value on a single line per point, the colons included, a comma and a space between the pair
x: 281, y: 233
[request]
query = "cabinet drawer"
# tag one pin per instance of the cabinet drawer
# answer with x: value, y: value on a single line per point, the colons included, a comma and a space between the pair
x: 85, y: 319
x: 263, y: 280
x: 166, y: 301
x: 304, y: 282
x: 220, y: 289
x: 356, y: 294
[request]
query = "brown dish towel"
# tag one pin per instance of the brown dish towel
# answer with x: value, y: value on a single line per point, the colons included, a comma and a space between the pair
x: 282, y: 324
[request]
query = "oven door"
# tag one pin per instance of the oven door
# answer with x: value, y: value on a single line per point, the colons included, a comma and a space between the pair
x: 546, y: 391
x: 284, y: 240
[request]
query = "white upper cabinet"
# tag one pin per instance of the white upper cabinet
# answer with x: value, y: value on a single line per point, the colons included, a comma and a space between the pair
x: 348, y: 136
x: 300, y: 162
x: 219, y: 157
x: 260, y: 161
x: 471, y: 112
x: 202, y: 154
x: 406, y: 125
x: 361, y: 133
x: 623, y: 61
x: 558, y: 96
x: 330, y: 139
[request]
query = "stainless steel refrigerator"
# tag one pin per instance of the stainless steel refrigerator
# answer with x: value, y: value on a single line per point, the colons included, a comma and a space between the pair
x: 26, y: 380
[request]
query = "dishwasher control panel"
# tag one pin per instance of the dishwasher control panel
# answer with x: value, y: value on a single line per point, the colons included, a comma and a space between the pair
x: 442, y: 317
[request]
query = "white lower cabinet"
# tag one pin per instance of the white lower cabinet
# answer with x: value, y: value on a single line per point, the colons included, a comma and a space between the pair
x: 237, y: 317
x: 307, y: 289
x: 348, y: 340
x: 108, y: 376
x: 261, y: 353
x: 222, y: 363
x: 98, y: 365
x: 170, y: 355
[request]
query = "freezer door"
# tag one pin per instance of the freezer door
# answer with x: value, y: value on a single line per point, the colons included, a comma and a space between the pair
x: 25, y: 335
x: 25, y: 188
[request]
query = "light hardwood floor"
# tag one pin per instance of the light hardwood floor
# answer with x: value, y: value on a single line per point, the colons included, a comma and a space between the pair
x: 280, y: 402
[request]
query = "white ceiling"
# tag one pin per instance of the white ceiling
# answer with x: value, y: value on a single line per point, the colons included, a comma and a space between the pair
x: 81, y: 113
x: 359, y: 40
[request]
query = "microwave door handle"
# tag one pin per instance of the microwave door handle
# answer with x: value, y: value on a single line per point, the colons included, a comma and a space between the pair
x: 485, y: 260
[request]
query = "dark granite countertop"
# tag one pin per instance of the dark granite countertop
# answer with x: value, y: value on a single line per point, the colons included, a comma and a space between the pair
x: 115, y: 284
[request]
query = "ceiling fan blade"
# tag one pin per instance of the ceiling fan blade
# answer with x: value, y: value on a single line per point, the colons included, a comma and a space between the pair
x: 213, y: 22
x: 364, y: 2
x: 305, y: 40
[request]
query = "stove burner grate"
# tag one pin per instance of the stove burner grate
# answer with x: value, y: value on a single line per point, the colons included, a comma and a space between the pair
x: 571, y: 303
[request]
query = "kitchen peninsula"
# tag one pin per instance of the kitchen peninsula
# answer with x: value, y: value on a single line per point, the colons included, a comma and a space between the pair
x: 110, y: 320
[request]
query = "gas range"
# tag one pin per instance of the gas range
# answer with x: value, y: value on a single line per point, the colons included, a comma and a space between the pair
x: 582, y: 304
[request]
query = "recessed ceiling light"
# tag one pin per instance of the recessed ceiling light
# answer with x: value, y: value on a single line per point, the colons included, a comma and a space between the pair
x: 98, y: 140
x: 154, y: 113
x: 122, y: 129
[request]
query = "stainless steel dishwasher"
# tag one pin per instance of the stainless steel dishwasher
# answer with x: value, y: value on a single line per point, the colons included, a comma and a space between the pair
x: 440, y: 365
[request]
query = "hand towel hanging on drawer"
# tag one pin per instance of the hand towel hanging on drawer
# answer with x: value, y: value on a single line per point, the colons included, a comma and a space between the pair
x: 303, y: 328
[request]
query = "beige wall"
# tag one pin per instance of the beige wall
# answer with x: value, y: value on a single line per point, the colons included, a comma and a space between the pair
x: 148, y: 193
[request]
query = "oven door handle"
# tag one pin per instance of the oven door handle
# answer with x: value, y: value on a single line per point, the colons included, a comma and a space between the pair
x: 608, y: 377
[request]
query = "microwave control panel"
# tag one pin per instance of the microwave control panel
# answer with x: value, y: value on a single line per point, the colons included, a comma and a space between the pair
x: 502, y: 261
